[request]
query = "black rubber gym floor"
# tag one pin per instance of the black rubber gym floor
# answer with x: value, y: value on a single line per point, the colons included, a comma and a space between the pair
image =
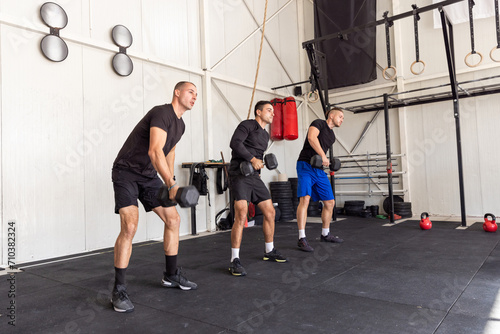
x: 396, y: 279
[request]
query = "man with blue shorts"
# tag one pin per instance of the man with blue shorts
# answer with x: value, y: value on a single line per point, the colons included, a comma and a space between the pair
x: 313, y: 183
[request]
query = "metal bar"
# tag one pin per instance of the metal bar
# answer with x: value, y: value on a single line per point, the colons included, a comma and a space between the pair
x: 314, y: 70
x: 425, y: 101
x: 226, y: 100
x: 361, y: 177
x: 248, y: 37
x: 388, y: 150
x: 379, y: 22
x: 369, y: 192
x: 292, y: 84
x: 450, y: 57
x: 367, y: 166
x: 374, y: 174
x: 268, y: 43
x: 363, y: 183
x: 359, y: 155
x: 403, y: 101
x: 370, y: 159
x: 363, y: 134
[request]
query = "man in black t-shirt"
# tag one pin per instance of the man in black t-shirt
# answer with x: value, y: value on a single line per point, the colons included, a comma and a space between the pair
x: 248, y: 143
x: 148, y: 151
x: 313, y: 182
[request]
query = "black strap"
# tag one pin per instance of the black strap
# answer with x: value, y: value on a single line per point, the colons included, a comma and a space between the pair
x: 471, y: 24
x: 220, y: 174
x: 200, y: 168
x: 388, y: 24
x: 497, y: 24
x: 416, y: 18
x: 193, y: 167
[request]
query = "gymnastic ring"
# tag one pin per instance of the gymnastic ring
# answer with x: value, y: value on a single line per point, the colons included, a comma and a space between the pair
x: 316, y: 96
x: 416, y: 62
x: 470, y: 54
x: 491, y: 54
x: 385, y: 71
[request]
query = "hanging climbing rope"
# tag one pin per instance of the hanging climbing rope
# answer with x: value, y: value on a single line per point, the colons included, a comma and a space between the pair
x: 258, y: 61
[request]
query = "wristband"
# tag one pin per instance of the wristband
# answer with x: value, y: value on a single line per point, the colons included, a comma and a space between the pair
x: 172, y: 186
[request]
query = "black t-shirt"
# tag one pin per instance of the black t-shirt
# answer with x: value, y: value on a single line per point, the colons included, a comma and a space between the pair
x: 134, y: 153
x: 326, y: 139
x: 249, y: 140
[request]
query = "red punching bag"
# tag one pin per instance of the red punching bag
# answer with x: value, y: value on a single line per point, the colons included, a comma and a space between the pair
x: 276, y: 130
x: 290, y: 124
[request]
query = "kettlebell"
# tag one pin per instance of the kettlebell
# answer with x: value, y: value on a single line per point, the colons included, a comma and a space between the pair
x: 490, y: 225
x: 425, y: 222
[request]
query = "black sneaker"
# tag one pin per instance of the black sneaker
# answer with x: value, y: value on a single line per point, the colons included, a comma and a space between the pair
x: 120, y: 300
x: 304, y: 245
x: 236, y: 268
x: 178, y: 281
x: 275, y: 256
x: 331, y: 238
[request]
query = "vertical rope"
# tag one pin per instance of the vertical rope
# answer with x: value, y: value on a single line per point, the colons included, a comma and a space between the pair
x: 258, y: 61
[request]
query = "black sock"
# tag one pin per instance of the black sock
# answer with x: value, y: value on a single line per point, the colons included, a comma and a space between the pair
x: 170, y: 264
x: 120, y: 276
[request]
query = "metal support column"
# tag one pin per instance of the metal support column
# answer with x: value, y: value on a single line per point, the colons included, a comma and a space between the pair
x: 388, y: 155
x: 450, y: 56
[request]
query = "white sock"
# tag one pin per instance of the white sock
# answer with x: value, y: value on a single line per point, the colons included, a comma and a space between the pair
x: 269, y: 246
x: 325, y: 231
x: 235, y: 253
x: 302, y: 234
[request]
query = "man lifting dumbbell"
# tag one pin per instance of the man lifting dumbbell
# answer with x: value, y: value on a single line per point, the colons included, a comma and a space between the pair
x: 248, y: 144
x: 312, y: 181
x: 317, y: 162
x: 270, y: 161
x: 148, y: 151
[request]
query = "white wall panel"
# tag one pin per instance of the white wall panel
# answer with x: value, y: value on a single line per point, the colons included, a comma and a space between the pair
x: 28, y: 14
x: 3, y: 220
x: 104, y: 15
x: 42, y: 110
x: 488, y: 119
x: 166, y: 30
x: 112, y: 107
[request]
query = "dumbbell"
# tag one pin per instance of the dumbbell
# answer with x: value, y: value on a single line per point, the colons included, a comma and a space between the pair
x: 186, y: 196
x: 270, y: 161
x: 317, y: 162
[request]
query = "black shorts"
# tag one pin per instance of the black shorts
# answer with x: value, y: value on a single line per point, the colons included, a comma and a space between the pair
x: 250, y: 188
x: 130, y: 186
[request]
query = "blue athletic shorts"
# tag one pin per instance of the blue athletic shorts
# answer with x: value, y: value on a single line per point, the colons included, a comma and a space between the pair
x: 313, y: 182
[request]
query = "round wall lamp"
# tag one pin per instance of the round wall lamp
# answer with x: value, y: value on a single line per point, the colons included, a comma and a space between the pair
x: 54, y: 47
x: 122, y: 64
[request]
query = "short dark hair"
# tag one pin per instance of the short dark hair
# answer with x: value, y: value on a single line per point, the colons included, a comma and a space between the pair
x: 259, y: 106
x: 333, y: 109
x: 182, y: 83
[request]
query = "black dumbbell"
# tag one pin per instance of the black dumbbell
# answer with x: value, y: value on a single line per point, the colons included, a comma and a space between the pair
x: 186, y: 196
x: 317, y: 162
x: 270, y: 161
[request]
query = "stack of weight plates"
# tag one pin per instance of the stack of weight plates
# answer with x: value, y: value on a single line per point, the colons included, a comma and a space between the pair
x: 314, y: 209
x: 281, y: 193
x: 295, y: 200
x: 354, y: 208
x: 403, y: 209
x: 386, y: 205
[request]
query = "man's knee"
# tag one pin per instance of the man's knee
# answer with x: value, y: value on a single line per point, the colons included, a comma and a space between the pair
x: 173, y: 221
x: 269, y: 212
x: 329, y: 204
